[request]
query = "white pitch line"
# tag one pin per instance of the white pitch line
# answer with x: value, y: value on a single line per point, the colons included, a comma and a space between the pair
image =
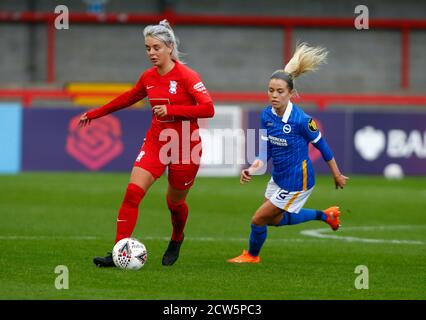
x: 319, y: 233
x: 16, y: 237
x: 207, y: 239
x: 316, y: 233
x: 232, y: 239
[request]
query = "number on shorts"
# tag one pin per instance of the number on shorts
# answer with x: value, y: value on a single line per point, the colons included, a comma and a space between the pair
x: 282, y: 195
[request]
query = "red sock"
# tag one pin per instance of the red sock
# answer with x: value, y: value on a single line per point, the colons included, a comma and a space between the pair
x: 128, y: 213
x: 179, y: 214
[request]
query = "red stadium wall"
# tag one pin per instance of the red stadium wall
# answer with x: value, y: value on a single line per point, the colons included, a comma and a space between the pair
x: 404, y: 26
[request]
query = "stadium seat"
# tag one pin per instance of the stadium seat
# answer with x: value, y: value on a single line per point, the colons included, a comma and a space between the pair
x: 91, y: 94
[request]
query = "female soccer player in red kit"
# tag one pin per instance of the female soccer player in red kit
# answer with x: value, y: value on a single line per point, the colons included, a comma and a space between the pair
x: 178, y: 98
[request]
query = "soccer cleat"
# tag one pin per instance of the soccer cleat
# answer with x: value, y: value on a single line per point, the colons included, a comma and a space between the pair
x: 333, y: 214
x: 104, y: 261
x: 172, y: 253
x: 245, y: 257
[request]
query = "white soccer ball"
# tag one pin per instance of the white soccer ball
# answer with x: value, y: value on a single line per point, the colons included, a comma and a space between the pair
x: 129, y: 254
x: 393, y: 171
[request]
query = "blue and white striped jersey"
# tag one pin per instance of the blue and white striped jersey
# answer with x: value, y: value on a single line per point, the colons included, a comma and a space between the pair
x: 288, y: 139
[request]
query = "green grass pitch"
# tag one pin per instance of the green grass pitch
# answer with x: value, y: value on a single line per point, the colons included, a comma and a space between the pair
x: 51, y: 219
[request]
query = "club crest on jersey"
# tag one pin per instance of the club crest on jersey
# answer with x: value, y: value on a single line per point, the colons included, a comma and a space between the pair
x: 173, y: 87
x: 287, y: 128
x: 312, y: 125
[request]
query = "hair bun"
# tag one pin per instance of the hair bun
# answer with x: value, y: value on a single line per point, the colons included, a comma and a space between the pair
x: 165, y: 23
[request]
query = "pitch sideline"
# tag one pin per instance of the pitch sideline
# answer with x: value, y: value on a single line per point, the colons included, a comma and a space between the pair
x: 315, y: 233
x: 320, y: 233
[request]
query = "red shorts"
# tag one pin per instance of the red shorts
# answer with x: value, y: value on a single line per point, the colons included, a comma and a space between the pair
x: 180, y: 175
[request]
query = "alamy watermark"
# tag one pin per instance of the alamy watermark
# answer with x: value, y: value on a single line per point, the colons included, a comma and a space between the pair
x: 231, y: 146
x: 361, y: 21
x: 62, y: 280
x: 62, y: 19
x: 361, y: 281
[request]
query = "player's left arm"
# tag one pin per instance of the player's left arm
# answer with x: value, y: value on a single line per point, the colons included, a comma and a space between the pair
x: 339, y: 178
x: 312, y: 134
x: 204, y: 107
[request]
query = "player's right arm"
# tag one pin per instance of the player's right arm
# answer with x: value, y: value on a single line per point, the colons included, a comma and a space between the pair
x: 124, y: 100
x: 263, y: 157
x: 247, y: 173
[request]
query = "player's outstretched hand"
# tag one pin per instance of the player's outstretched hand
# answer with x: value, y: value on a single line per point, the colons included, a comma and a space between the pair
x: 247, y: 173
x: 245, y: 176
x: 84, y: 120
x: 340, y: 181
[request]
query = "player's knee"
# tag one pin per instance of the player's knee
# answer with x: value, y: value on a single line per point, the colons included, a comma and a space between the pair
x: 258, y: 221
x: 175, y: 204
x: 134, y: 195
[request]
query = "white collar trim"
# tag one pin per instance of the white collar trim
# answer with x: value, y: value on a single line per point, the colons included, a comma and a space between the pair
x: 287, y: 112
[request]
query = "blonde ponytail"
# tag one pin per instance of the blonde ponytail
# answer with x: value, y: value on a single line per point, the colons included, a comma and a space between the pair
x: 305, y: 59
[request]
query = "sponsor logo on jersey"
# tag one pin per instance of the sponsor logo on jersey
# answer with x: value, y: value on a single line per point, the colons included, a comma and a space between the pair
x: 200, y: 87
x: 312, y: 125
x: 269, y: 124
x: 173, y: 87
x: 278, y: 141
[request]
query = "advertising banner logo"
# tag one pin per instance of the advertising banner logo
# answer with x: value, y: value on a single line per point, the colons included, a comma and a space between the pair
x: 97, y: 144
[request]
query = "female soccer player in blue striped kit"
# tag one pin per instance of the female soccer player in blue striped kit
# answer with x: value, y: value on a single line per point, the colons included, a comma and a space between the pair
x: 289, y: 132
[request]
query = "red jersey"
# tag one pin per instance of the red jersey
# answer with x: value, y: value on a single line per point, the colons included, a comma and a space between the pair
x: 180, y: 89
